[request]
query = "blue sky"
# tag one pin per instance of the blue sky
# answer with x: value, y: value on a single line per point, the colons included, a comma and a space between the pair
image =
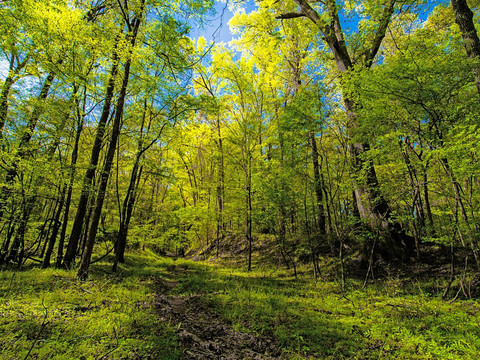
x: 216, y: 26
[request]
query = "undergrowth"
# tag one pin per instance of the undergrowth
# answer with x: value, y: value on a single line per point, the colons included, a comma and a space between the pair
x: 387, y: 320
x: 48, y: 314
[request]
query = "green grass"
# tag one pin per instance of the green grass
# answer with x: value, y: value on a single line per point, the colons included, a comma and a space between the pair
x: 52, y: 315
x: 57, y: 317
x: 387, y: 320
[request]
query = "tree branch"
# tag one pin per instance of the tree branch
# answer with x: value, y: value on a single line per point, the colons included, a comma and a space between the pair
x: 291, y: 15
x: 380, y: 35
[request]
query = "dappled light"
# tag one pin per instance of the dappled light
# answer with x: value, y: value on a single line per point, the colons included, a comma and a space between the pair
x: 275, y: 179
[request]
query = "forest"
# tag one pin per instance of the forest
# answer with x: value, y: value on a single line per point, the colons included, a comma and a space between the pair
x: 309, y: 189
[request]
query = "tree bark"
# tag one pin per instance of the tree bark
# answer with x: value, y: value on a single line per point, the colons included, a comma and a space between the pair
x: 90, y: 173
x: 464, y: 20
x: 105, y: 174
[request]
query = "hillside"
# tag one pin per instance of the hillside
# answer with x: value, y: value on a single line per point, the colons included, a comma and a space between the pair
x: 166, y: 308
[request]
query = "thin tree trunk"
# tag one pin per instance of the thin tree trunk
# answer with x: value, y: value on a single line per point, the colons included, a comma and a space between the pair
x: 7, y: 85
x: 105, y: 174
x: 220, y: 187
x: 127, y: 211
x: 17, y: 249
x: 248, y: 220
x: 321, y: 224
x: 426, y: 198
x: 458, y: 198
x: 22, y: 150
x: 417, y: 206
x: 90, y: 173
x: 56, y: 227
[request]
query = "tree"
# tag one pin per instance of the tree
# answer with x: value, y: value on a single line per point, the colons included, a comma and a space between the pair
x: 464, y: 20
x: 371, y: 204
x: 424, y: 114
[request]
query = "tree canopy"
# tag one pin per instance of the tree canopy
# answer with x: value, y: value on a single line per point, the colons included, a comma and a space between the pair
x: 333, y: 127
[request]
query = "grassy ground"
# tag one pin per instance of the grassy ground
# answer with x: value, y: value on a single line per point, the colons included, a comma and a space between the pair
x: 47, y: 314
x: 387, y: 320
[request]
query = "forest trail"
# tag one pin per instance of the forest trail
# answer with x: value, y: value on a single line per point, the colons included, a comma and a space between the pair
x: 202, y: 333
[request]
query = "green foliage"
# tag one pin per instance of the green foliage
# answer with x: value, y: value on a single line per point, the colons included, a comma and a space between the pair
x: 58, y: 317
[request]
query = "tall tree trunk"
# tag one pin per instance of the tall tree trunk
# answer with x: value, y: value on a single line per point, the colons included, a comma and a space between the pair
x: 22, y: 150
x: 464, y: 20
x: 105, y: 174
x: 220, y: 187
x: 73, y: 164
x: 7, y: 85
x: 371, y: 204
x: 90, y: 173
x: 248, y: 220
x: 321, y: 224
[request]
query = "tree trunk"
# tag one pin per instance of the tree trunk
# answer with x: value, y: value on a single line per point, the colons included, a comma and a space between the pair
x: 248, y: 220
x: 22, y: 150
x: 371, y: 204
x: 73, y: 164
x: 105, y: 174
x: 56, y: 227
x: 428, y: 209
x: 90, y: 173
x: 417, y: 204
x: 220, y: 187
x: 321, y: 224
x: 127, y: 210
x: 7, y: 85
x: 17, y: 248
x: 464, y: 20
x: 458, y: 198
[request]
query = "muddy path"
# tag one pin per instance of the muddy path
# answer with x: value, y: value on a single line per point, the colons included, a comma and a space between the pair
x: 202, y: 333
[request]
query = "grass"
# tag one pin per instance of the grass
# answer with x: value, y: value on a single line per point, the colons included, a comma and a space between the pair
x: 387, y: 320
x: 48, y: 314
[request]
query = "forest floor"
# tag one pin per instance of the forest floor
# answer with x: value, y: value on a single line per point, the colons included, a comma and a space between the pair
x: 165, y: 308
x: 203, y: 334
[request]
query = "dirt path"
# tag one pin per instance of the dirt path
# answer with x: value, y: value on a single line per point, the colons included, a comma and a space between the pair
x: 203, y: 334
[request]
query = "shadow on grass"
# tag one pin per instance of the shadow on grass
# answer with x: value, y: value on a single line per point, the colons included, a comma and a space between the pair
x: 313, y: 320
x: 53, y: 316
